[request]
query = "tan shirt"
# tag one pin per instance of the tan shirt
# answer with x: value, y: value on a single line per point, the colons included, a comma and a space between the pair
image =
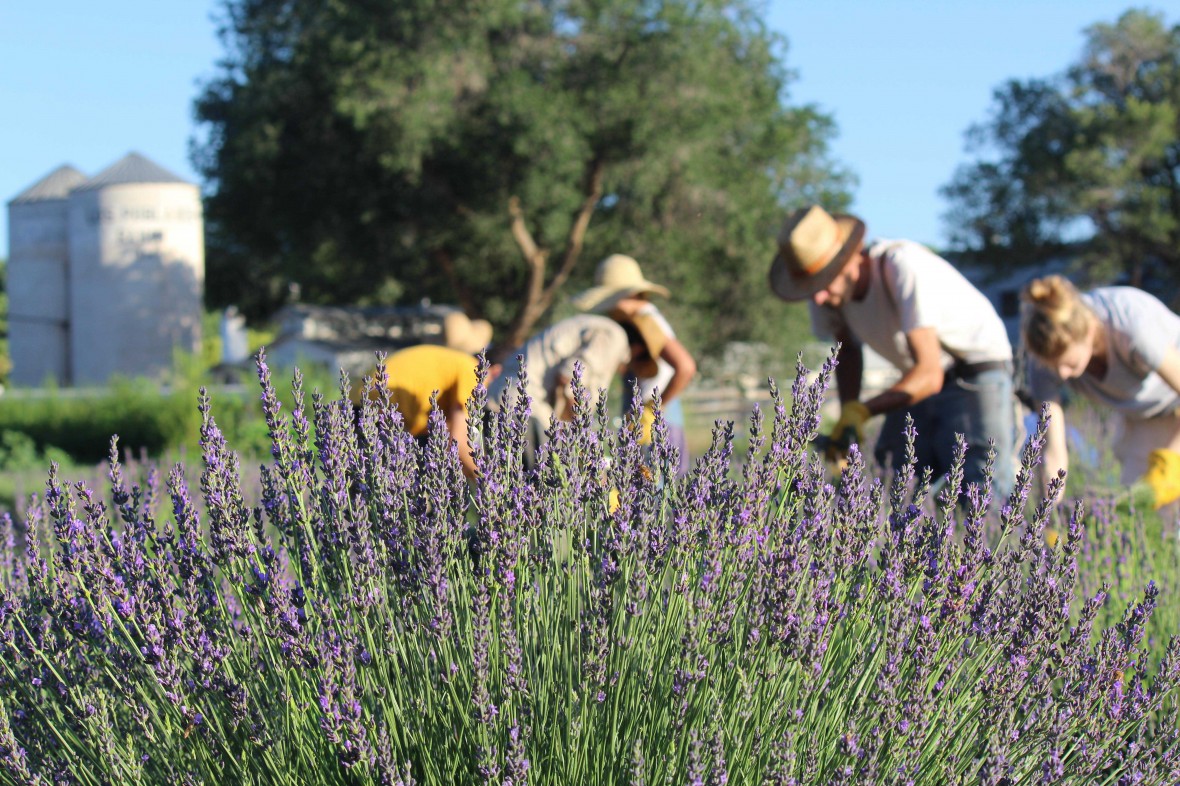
x: 597, y: 342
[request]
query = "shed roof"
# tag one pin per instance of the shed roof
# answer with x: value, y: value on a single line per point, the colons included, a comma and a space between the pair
x: 131, y: 168
x: 392, y: 326
x: 56, y: 185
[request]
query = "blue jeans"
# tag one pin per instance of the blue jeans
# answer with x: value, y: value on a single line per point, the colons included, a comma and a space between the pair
x: 979, y: 408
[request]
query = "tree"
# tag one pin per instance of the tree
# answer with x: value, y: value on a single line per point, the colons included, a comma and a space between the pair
x: 1093, y: 153
x: 478, y: 152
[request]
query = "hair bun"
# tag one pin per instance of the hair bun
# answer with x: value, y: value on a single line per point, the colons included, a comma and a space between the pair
x: 1056, y: 317
x: 1038, y: 290
x: 1050, y: 293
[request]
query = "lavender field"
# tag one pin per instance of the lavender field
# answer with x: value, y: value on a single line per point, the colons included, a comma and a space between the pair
x: 357, y: 613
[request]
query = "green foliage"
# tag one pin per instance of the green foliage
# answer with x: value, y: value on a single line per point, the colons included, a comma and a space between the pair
x: 82, y: 425
x: 377, y: 619
x: 210, y: 351
x: 18, y: 451
x: 372, y: 155
x: 62, y: 425
x: 1095, y: 151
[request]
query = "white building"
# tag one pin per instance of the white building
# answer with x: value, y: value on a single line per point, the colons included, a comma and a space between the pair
x: 347, y: 337
x: 105, y: 275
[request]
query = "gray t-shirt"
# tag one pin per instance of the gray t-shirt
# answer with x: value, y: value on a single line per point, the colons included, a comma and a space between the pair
x: 598, y: 342
x: 912, y: 287
x: 1140, y: 330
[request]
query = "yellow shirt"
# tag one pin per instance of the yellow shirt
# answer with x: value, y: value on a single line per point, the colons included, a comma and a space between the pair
x: 417, y: 372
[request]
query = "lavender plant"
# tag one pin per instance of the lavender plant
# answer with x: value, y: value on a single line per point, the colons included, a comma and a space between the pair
x: 371, y: 618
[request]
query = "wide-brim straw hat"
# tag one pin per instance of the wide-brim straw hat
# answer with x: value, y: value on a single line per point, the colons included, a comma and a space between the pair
x: 464, y: 334
x: 651, y: 332
x: 617, y: 277
x: 813, y: 247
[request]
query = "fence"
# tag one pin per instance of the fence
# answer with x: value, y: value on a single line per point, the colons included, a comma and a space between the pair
x: 706, y: 403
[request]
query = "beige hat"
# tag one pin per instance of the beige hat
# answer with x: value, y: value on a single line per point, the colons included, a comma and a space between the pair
x: 466, y: 335
x: 813, y: 247
x: 617, y: 277
x: 653, y: 336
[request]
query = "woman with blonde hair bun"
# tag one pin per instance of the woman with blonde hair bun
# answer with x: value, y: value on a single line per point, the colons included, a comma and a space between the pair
x: 1119, y: 347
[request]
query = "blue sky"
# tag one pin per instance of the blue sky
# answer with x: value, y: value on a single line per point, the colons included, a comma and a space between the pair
x: 85, y: 82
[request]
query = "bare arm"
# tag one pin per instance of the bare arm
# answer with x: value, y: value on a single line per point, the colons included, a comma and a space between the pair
x: 457, y: 425
x: 923, y: 380
x: 1056, y: 454
x: 563, y: 398
x: 684, y: 368
x: 1170, y: 369
x: 850, y: 358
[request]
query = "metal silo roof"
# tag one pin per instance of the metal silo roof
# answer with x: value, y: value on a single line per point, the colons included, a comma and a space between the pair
x: 56, y: 185
x: 131, y: 168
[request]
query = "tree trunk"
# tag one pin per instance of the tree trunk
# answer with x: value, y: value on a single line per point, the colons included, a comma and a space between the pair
x: 539, y: 295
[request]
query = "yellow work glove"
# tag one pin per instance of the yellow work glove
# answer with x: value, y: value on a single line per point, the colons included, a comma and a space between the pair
x: 1163, y: 476
x: 848, y: 429
x: 647, y: 419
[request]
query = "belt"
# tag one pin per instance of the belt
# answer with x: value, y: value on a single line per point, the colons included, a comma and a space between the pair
x: 968, y: 371
x: 1170, y: 412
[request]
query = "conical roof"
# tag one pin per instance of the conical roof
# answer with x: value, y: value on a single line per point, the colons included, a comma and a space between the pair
x: 131, y: 168
x: 56, y: 185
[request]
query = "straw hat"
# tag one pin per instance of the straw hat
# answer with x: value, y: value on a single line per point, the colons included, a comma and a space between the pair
x: 617, y: 277
x: 813, y: 247
x: 466, y: 335
x: 653, y: 336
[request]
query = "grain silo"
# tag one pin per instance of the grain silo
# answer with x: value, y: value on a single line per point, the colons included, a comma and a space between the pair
x: 137, y: 270
x: 38, y: 273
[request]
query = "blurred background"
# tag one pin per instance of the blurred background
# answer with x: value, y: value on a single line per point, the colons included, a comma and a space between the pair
x: 186, y: 182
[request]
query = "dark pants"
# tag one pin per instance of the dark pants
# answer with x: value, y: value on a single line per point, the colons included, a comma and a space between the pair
x: 980, y: 407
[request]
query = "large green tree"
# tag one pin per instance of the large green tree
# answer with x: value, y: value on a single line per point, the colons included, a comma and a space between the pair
x: 1093, y: 154
x: 490, y: 153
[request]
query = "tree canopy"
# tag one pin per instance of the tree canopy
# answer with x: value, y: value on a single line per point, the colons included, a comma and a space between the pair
x: 1093, y: 154
x: 488, y: 154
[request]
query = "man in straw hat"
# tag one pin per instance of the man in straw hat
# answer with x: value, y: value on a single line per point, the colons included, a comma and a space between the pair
x: 621, y: 291
x: 919, y: 313
x: 416, y: 373
x: 603, y: 346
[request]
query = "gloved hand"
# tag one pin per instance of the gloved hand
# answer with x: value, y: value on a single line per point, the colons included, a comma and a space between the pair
x: 848, y: 429
x: 647, y: 419
x: 1162, y: 476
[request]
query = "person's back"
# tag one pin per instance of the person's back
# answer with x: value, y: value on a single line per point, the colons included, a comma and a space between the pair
x: 599, y: 343
x: 911, y: 287
x: 415, y: 373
